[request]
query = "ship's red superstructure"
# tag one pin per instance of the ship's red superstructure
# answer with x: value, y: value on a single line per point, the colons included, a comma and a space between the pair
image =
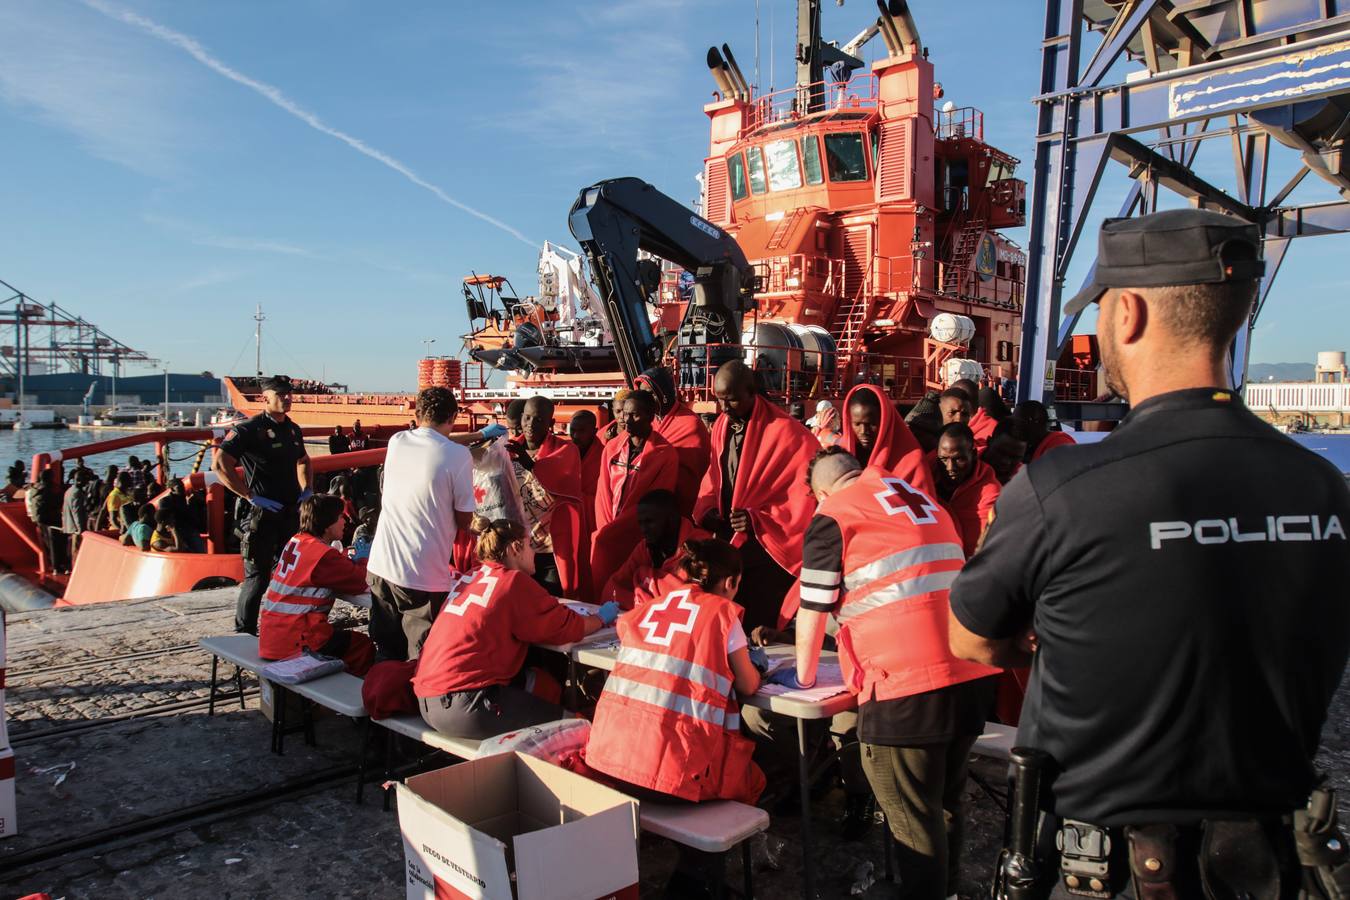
x: 872, y: 216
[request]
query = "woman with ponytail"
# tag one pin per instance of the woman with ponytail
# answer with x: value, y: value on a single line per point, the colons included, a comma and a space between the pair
x: 668, y: 724
x: 470, y: 680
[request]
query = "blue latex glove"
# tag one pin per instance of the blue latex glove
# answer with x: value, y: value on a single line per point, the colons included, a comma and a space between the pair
x: 788, y: 678
x: 759, y: 659
x: 608, y: 612
x: 493, y: 431
x: 304, y: 495
x: 264, y: 503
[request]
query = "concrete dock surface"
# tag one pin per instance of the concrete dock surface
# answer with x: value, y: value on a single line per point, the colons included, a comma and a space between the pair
x: 99, y: 758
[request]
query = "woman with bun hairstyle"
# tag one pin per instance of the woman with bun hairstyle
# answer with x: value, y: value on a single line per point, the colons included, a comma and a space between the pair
x: 470, y: 680
x: 668, y: 725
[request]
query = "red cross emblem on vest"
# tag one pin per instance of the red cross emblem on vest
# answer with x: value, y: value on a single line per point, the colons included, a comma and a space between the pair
x: 671, y: 616
x: 901, y: 497
x: 289, y: 559
x: 460, y: 598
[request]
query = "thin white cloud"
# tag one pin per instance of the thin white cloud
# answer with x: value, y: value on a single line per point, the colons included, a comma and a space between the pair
x: 119, y: 105
x: 275, y: 96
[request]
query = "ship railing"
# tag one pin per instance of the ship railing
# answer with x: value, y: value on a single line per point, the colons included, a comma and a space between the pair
x: 1076, y: 385
x: 792, y: 374
x: 49, y: 465
x: 799, y: 272
x: 790, y: 104
x: 959, y: 123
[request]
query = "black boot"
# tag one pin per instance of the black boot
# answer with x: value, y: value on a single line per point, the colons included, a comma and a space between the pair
x: 857, y: 817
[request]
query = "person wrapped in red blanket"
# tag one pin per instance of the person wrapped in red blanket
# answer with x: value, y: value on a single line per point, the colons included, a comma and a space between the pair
x: 1040, y: 439
x: 308, y: 575
x: 634, y: 463
x: 755, y: 493
x: 989, y: 411
x: 581, y: 428
x: 548, y: 470
x: 875, y: 434
x: 683, y: 430
x: 652, y: 569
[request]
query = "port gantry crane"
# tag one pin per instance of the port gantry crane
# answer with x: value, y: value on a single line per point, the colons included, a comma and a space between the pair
x: 1137, y: 88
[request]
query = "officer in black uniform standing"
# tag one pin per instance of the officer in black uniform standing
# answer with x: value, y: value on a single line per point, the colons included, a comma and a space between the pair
x: 277, y: 476
x: 1179, y: 590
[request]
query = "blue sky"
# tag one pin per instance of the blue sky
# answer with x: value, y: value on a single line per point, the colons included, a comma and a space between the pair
x: 169, y: 164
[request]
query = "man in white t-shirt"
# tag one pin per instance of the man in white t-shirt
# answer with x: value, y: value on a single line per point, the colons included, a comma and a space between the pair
x: 428, y: 497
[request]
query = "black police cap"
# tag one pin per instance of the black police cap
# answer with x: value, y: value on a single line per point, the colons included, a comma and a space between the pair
x: 279, y: 383
x: 1176, y: 247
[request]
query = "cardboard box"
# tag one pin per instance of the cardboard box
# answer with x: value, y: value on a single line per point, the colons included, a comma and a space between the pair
x: 468, y: 828
x: 9, y: 822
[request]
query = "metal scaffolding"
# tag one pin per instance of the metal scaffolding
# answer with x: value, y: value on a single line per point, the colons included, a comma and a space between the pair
x: 1187, y: 73
x: 58, y: 340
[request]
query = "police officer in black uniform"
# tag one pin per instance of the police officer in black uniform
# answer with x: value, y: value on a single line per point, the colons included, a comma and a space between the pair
x: 1179, y: 590
x: 277, y: 476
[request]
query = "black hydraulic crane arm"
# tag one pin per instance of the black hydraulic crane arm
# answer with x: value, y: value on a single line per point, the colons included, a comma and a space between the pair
x: 614, y: 220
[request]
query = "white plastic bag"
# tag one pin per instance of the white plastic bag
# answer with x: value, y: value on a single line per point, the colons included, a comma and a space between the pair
x: 494, y: 483
x: 550, y: 741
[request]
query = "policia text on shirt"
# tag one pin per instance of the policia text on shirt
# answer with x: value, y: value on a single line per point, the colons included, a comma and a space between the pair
x: 1184, y: 582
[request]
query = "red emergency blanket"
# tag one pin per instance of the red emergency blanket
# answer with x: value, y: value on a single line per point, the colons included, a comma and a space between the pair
x: 685, y: 431
x: 770, y: 481
x: 895, y: 449
x: 557, y: 466
x: 656, y: 468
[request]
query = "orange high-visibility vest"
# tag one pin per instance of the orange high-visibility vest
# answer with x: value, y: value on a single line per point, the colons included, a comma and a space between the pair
x: 294, y: 613
x: 667, y: 719
x: 901, y: 554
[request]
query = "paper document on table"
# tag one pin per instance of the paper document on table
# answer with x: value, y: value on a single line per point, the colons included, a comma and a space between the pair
x: 581, y: 609
x: 829, y: 683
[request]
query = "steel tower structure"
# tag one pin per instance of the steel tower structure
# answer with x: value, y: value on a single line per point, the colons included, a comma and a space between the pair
x: 1186, y: 73
x: 55, y: 338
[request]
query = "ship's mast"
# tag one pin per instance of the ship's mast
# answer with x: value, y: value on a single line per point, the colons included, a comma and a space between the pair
x: 257, y: 339
x: 810, y: 72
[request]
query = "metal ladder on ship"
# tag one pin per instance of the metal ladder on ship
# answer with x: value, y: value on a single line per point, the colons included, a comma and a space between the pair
x: 957, y: 272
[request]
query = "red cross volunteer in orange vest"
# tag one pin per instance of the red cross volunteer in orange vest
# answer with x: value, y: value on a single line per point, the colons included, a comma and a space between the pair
x: 880, y: 555
x: 308, y: 574
x: 667, y: 722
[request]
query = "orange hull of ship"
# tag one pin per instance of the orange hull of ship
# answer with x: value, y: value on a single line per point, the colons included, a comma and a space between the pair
x: 335, y: 409
x: 106, y: 570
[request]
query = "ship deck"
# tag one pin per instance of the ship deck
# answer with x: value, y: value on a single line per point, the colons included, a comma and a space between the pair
x: 121, y: 774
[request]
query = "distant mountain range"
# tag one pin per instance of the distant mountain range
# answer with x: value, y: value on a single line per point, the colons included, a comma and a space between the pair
x: 1280, y: 372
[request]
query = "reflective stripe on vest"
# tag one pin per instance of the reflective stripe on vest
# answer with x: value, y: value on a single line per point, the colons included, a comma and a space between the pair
x: 901, y: 590
x: 285, y: 590
x: 291, y: 609
x: 678, y: 703
x: 888, y: 565
x: 673, y: 665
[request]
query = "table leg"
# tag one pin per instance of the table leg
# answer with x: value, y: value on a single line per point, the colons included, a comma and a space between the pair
x: 804, y: 771
x: 211, y: 703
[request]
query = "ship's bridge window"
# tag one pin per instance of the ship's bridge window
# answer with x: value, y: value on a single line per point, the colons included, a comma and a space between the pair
x: 811, y: 159
x: 755, y: 162
x: 784, y: 171
x: 736, y: 177
x: 845, y: 156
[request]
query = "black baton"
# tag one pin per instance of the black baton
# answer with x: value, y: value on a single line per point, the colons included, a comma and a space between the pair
x: 1020, y: 870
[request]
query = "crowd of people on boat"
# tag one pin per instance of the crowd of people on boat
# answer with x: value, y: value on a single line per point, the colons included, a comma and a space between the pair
x: 119, y: 502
